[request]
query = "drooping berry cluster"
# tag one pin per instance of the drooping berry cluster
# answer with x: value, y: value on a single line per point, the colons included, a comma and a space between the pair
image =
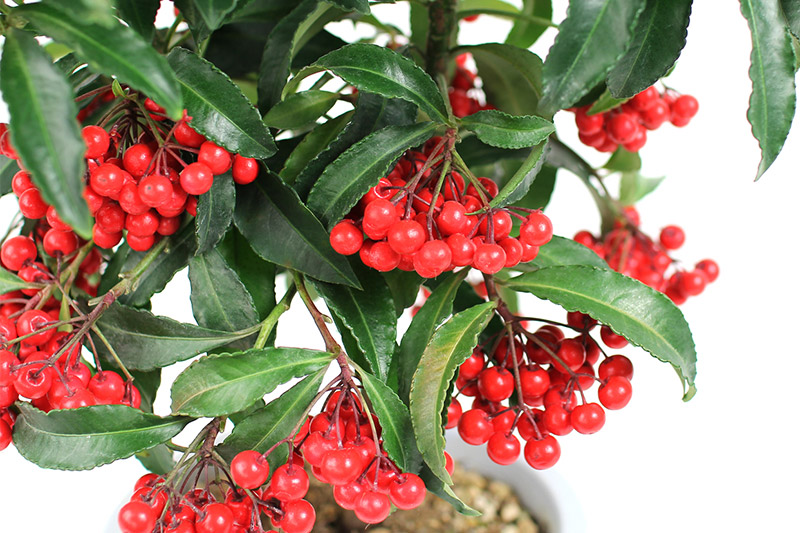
x: 417, y: 219
x: 38, y: 361
x: 627, y: 125
x: 630, y: 251
x: 462, y: 91
x: 533, y: 385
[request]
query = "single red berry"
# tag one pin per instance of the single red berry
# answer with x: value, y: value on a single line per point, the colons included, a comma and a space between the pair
x: 197, y: 178
x: 108, y: 179
x: 514, y: 251
x: 289, y: 482
x: 18, y: 251
x: 645, y: 99
x: 542, y: 453
x: 537, y: 230
x: 489, y: 258
x: 589, y: 124
x: 33, y: 381
x: 347, y: 495
x: 96, y: 139
x: 684, y: 107
x: 406, y: 236
x: 249, y: 469
x: 111, y: 218
x: 622, y: 127
x: 216, y: 158
x: 33, y: 321
x: 7, y: 360
x: 55, y: 221
x: 214, y: 518
x: 495, y: 384
x: 588, y: 418
x: 571, y: 355
x: 104, y: 239
x: 299, y: 517
x: 155, y: 190
x: 379, y: 216
x: 534, y: 380
x: 31, y: 204
x: 452, y: 218
x: 475, y: 427
x: 654, y: 116
x: 382, y: 257
x: 107, y: 387
x: 342, y: 466
x: 21, y: 182
x: 432, y: 258
x: 245, y: 169
x: 168, y: 225
x: 672, y: 237
x: 346, y: 238
x: 407, y: 491
x: 372, y: 507
x: 137, y: 159
x: 136, y: 517
x: 144, y: 225
x: 611, y: 339
x: 615, y: 393
x: 556, y: 420
x: 130, y: 201
x: 503, y: 448
x: 59, y: 243
x: 710, y: 268
x: 616, y: 365
x: 187, y: 136
x: 140, y: 244
x: 5, y: 435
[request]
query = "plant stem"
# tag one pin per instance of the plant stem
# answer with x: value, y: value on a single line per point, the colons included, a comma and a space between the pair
x: 131, y: 277
x: 271, y: 321
x: 443, y: 22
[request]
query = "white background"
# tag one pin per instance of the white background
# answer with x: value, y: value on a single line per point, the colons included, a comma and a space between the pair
x: 727, y: 460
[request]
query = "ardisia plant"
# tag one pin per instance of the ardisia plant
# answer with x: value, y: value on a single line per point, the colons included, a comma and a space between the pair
x: 400, y: 177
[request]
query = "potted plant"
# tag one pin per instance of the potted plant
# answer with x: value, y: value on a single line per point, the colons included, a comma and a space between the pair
x: 287, y: 167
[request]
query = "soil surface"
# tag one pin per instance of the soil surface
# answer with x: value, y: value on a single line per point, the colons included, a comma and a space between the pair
x: 500, y: 508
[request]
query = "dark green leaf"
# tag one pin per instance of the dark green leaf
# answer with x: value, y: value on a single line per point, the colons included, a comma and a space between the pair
x: 397, y: 432
x: 139, y: 15
x: 218, y: 385
x: 512, y: 77
x: 563, y: 252
x: 521, y: 181
x: 257, y: 275
x: 445, y: 492
x: 624, y: 161
x: 590, y: 41
x: 362, y: 6
x: 214, y: 213
x: 300, y: 109
x: 433, y: 312
x: 419, y: 25
x: 213, y: 12
x: 539, y: 194
x: 94, y: 11
x: 658, y: 39
x: 180, y: 249
x: 383, y: 71
x: 277, y: 57
x: 218, y: 108
x: 193, y: 17
x: 8, y: 167
x: 450, y: 346
x: 80, y: 439
x: 267, y: 426
x: 236, y: 48
x: 310, y: 147
x: 633, y: 187
x: 526, y: 32
x: 368, y: 315
x: 43, y: 128
x: 641, y: 314
x: 605, y: 103
x: 772, y: 71
x: 145, y: 341
x: 11, y: 282
x: 404, y: 287
x: 351, y: 175
x: 296, y: 239
x: 219, y: 299
x: 372, y: 113
x: 791, y: 9
x: 117, y: 51
x: 502, y: 130
x: 158, y: 460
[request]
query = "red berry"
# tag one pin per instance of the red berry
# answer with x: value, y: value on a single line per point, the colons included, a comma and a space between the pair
x: 589, y: 124
x: 462, y: 249
x: 557, y: 420
x: 33, y: 381
x: 407, y: 491
x: 622, y: 127
x: 16, y: 252
x: 489, y: 258
x: 432, y: 259
x: 684, y: 107
x: 249, y: 469
x: 245, y: 169
x: 55, y: 221
x: 216, y: 158
x: 197, y: 178
x: 645, y: 99
x: 342, y: 466
x: 616, y: 365
x: 96, y: 139
x: 379, y: 216
x: 346, y: 238
x: 140, y: 244
x: 299, y: 517
x: 187, y: 136
x: 59, y: 243
x: 452, y: 218
x: 692, y: 282
x: 503, y: 448
x: 615, y: 393
x: 289, y: 482
x: 21, y: 182
x: 572, y: 354
x: 372, y: 507
x: 537, y: 230
x: 406, y: 236
x: 475, y: 427
x: 31, y: 204
x: 382, y: 258
x: 107, y: 387
x: 654, y: 116
x: 535, y: 381
x: 543, y: 453
x: 501, y: 224
x: 588, y: 418
x: 144, y: 225
x: 136, y: 517
x: 137, y: 159
x: 710, y: 268
x: 105, y: 239
x: 5, y: 435
x: 130, y: 201
x: 496, y: 384
x: 672, y: 237
x: 611, y: 339
x: 155, y: 190
x: 32, y: 321
x: 214, y: 518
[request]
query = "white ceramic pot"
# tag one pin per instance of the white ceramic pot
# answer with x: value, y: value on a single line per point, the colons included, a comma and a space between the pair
x: 545, y: 493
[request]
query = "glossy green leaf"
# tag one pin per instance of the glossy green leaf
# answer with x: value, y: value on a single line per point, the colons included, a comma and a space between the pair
x: 218, y: 108
x: 314, y: 142
x: 296, y: 239
x: 512, y: 77
x: 372, y: 113
x: 94, y: 11
x: 145, y: 341
x: 362, y: 6
x: 277, y: 57
x: 269, y: 425
x: 300, y: 109
x: 351, y: 175
x: 445, y: 492
x: 397, y: 433
x: 43, y: 128
x: 791, y: 10
x: 519, y: 184
x: 502, y: 130
x: 430, y: 316
x: 197, y: 25
x: 772, y: 102
x: 214, y: 213
x: 8, y: 167
x: 641, y: 314
x: 11, y: 282
x: 257, y: 275
x: 404, y: 286
x: 633, y: 187
x: 140, y: 15
x: 538, y: 196
x: 526, y: 32
x: 590, y: 41
x: 218, y: 385
x: 624, y: 161
x: 450, y: 346
x: 81, y: 439
x: 117, y: 51
x: 213, y: 12
x: 219, y: 298
x: 658, y: 39
x: 158, y: 459
x: 369, y: 316
x: 561, y: 251
x: 606, y: 102
x: 181, y: 248
x: 383, y: 71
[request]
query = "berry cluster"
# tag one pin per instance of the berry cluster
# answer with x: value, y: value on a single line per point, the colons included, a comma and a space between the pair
x: 630, y: 251
x: 536, y: 383
x: 463, y: 88
x: 417, y: 219
x: 627, y: 125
